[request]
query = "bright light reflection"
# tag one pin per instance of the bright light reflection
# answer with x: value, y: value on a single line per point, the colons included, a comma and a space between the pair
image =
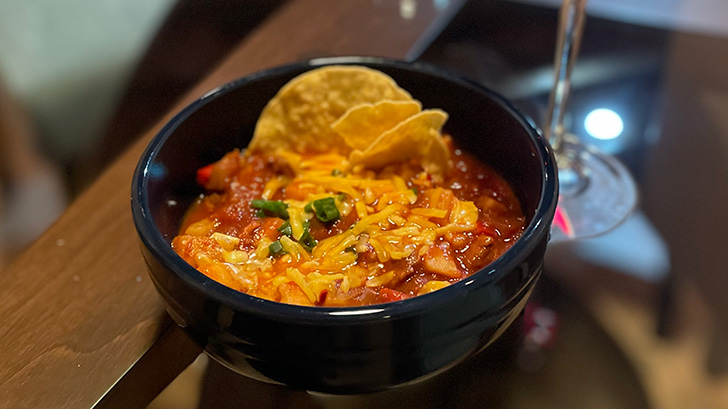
x: 358, y: 312
x: 603, y: 124
x: 408, y: 9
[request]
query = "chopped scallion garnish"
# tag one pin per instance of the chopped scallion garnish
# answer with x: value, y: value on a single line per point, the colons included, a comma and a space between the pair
x: 276, y: 249
x: 285, y: 229
x: 325, y: 209
x: 273, y: 208
x: 306, y: 240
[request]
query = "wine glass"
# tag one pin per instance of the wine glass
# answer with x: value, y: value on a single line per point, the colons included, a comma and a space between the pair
x: 596, y: 191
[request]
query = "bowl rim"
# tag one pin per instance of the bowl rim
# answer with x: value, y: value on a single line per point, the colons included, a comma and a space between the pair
x: 153, y: 239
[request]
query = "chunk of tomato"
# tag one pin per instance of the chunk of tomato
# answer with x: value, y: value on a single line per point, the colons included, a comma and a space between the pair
x: 390, y: 295
x: 270, y: 227
x: 481, y: 228
x: 203, y: 174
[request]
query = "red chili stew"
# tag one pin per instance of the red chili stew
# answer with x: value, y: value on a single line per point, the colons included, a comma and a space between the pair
x: 304, y: 229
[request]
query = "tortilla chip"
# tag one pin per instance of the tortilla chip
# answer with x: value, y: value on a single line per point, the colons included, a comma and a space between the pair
x: 363, y: 124
x: 299, y: 117
x: 418, y: 137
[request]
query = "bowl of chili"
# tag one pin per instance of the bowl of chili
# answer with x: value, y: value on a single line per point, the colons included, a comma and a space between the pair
x: 388, y: 340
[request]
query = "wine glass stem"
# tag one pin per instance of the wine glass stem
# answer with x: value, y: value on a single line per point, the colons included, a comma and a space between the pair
x: 571, y: 25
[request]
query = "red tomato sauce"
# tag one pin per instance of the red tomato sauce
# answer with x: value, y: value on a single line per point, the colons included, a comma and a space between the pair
x: 440, y: 231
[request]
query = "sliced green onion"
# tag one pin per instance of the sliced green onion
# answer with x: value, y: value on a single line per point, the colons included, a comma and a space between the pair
x: 274, y: 208
x: 285, y: 229
x: 415, y: 190
x: 336, y: 172
x: 325, y: 209
x: 306, y: 240
x: 276, y: 249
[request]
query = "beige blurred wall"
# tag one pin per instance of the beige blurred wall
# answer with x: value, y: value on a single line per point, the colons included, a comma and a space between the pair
x: 68, y: 61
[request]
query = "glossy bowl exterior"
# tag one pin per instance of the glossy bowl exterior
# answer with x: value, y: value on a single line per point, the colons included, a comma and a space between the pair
x: 343, y: 350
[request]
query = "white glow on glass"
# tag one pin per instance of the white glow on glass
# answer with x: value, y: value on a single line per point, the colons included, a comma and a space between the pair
x: 358, y: 312
x: 407, y: 9
x: 603, y: 124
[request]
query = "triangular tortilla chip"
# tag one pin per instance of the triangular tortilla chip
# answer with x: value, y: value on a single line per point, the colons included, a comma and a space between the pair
x: 418, y: 137
x: 299, y: 117
x: 361, y: 125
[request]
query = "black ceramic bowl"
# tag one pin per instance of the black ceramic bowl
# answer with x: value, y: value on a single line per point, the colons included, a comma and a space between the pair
x: 343, y: 350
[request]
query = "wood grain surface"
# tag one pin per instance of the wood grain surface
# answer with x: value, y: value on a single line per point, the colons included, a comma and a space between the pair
x: 79, y: 312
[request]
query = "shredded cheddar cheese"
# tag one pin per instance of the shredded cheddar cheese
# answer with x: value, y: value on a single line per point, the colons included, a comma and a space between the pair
x: 391, y: 226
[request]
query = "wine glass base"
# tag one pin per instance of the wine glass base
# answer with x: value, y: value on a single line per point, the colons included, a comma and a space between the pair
x: 597, y: 193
